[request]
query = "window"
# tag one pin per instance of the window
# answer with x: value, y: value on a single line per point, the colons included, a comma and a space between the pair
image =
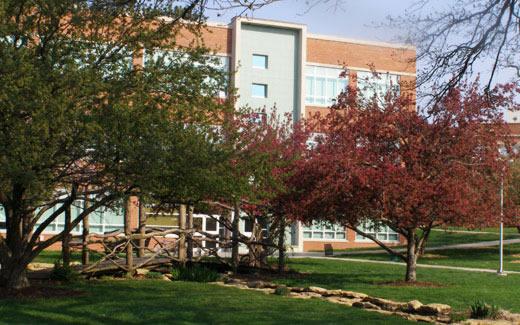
x: 197, y: 223
x: 323, y: 85
x: 248, y: 224
x: 2, y: 217
x: 102, y: 220
x: 324, y: 230
x: 259, y: 61
x: 211, y: 224
x: 178, y: 59
x: 381, y: 232
x: 377, y: 86
x: 259, y: 90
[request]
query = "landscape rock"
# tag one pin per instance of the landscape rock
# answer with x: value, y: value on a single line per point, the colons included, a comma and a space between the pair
x: 256, y: 284
x: 413, y: 306
x: 434, y: 309
x: 142, y: 272
x: 39, y: 266
x: 385, y: 303
x: 297, y: 289
x: 305, y: 295
x: 420, y: 318
x: 229, y: 280
x: 318, y: 290
x: 352, y: 294
x: 342, y: 301
x: 365, y: 305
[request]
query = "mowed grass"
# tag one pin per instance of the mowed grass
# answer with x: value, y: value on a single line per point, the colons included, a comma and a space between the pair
x: 451, y: 236
x: 480, y: 257
x: 162, y: 302
x: 53, y: 256
x: 456, y: 288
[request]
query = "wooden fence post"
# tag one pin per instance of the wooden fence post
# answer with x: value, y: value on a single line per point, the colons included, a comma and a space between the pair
x: 65, y: 243
x: 85, y: 254
x: 128, y: 233
x: 142, y: 228
x: 235, y: 257
x: 190, y: 235
x: 182, y: 235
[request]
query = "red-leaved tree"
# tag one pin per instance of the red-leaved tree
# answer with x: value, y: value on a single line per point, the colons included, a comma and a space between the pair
x: 387, y: 165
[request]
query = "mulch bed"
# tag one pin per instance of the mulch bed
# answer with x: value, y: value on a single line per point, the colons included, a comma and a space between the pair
x: 39, y: 291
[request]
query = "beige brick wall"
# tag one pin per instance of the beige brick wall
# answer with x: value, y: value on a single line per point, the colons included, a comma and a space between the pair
x: 360, y: 55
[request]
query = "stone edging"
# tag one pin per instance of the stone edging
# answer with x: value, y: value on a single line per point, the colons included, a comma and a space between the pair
x: 413, y: 310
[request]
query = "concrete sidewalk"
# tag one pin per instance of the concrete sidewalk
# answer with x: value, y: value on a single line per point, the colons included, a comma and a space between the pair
x: 426, y: 266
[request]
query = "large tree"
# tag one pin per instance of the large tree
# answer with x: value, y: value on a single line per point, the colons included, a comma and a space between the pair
x: 388, y: 166
x: 458, y: 39
x: 79, y: 120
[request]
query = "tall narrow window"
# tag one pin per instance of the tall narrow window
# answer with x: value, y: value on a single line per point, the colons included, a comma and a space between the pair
x: 259, y: 90
x: 259, y: 61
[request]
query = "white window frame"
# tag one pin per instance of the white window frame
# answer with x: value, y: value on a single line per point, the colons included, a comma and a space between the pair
x: 319, y: 227
x: 378, y: 84
x: 331, y: 74
x: 381, y: 230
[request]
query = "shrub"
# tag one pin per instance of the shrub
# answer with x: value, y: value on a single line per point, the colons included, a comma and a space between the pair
x: 282, y: 291
x: 481, y: 310
x: 154, y: 275
x: 63, y: 273
x: 195, y: 273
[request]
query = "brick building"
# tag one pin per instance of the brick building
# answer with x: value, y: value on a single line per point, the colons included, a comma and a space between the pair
x: 281, y: 64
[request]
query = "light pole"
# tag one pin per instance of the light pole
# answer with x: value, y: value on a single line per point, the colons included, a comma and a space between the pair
x: 501, y: 241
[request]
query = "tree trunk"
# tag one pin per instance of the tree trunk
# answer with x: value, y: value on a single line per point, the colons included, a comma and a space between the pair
x: 14, y: 259
x: 281, y: 246
x: 235, y: 257
x: 411, y: 258
x: 182, y: 235
x: 65, y: 243
x: 129, y: 247
x: 13, y: 274
x: 189, y: 224
x: 85, y: 255
x: 142, y: 228
x: 226, y: 233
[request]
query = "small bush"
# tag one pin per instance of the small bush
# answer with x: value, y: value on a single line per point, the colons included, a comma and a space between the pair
x: 154, y: 275
x: 63, y: 273
x: 282, y: 291
x: 481, y: 310
x: 195, y: 273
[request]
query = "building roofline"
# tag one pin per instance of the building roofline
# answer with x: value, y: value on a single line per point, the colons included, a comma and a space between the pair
x: 269, y: 22
x: 284, y: 24
x: 361, y: 42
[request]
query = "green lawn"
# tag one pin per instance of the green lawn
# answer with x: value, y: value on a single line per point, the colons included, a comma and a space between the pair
x: 442, y: 237
x: 161, y: 302
x: 53, y: 256
x: 458, y: 289
x: 449, y: 237
x: 485, y: 257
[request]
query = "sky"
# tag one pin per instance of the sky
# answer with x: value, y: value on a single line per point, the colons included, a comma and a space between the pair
x: 353, y: 19
x: 357, y: 19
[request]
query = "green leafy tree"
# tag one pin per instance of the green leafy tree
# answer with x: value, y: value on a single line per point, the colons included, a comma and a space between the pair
x: 80, y: 120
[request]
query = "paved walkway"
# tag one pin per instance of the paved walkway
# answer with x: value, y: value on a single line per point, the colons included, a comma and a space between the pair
x: 426, y: 266
x: 437, y: 248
